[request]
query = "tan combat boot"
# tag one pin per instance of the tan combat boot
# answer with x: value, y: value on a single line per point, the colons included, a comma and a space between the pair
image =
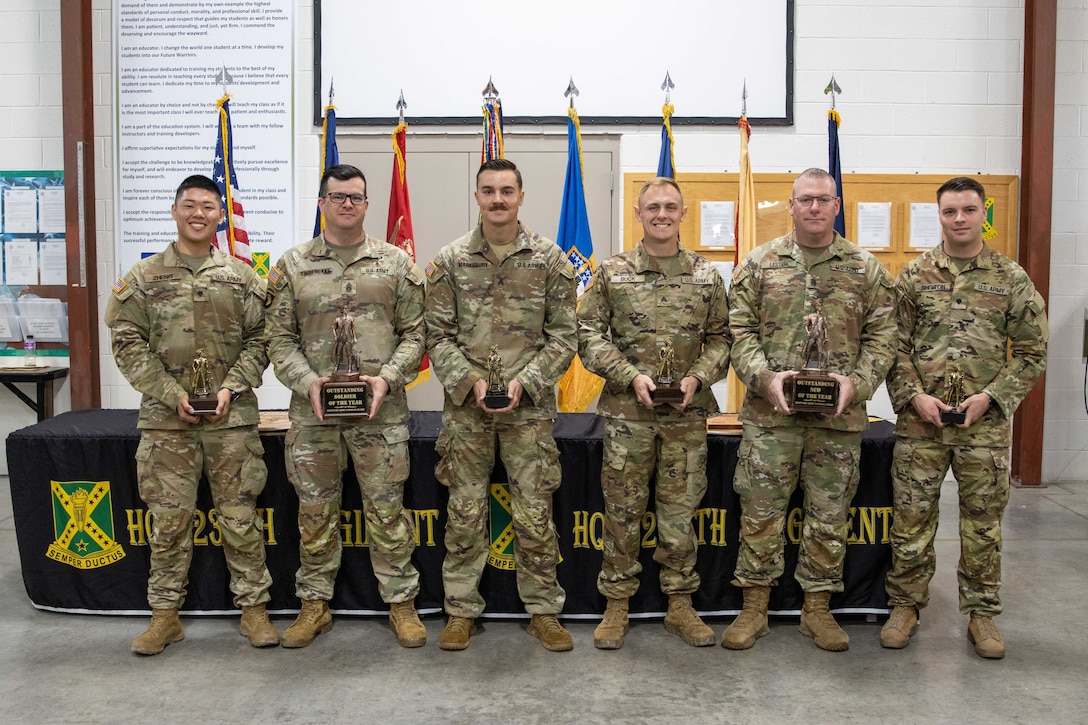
x: 256, y: 626
x: 751, y: 623
x: 681, y: 619
x: 454, y: 636
x: 313, y: 619
x: 982, y: 631
x: 901, y: 624
x: 550, y: 632
x: 609, y: 633
x: 405, y: 623
x: 165, y: 628
x: 817, y: 622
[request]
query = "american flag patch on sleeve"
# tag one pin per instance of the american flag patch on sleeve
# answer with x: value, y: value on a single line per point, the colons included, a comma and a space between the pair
x: 119, y: 286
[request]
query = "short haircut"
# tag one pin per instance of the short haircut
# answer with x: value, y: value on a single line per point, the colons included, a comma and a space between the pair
x: 660, y: 181
x: 962, y: 183
x: 198, y: 181
x: 499, y: 165
x: 818, y: 174
x: 340, y: 172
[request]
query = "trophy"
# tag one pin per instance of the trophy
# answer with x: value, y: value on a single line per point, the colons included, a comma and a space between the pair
x: 497, y: 395
x: 201, y: 398
x: 345, y: 395
x: 954, y: 397
x: 812, y: 390
x: 668, y: 389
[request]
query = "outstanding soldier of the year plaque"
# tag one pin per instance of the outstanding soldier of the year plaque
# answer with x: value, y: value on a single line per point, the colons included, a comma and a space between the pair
x: 345, y: 395
x: 812, y: 390
x: 201, y: 398
x: 498, y: 395
x: 668, y: 388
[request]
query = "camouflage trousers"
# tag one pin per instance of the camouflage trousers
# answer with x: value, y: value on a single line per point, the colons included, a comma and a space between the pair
x: 316, y: 458
x: 633, y: 451
x: 982, y: 476
x: 772, y: 463
x: 168, y: 468
x: 466, y: 447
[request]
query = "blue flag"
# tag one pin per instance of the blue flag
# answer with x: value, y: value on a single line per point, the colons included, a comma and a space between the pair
x: 574, y: 236
x: 834, y: 166
x: 578, y: 387
x: 329, y: 156
x: 666, y: 162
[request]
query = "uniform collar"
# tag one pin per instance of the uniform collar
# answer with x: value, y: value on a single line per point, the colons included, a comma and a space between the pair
x: 983, y: 260
x: 478, y: 245
x: 643, y: 259
x: 369, y: 248
x: 788, y: 247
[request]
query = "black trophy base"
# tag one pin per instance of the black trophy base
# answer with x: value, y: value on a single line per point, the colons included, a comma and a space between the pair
x: 204, y: 404
x: 667, y: 394
x: 496, y: 400
x: 813, y: 392
x: 345, y: 399
x: 952, y: 417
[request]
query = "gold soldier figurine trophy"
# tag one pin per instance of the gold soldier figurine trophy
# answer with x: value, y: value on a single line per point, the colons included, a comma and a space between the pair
x: 812, y: 390
x: 201, y: 398
x: 667, y: 391
x: 497, y: 394
x: 954, y: 397
x: 345, y: 395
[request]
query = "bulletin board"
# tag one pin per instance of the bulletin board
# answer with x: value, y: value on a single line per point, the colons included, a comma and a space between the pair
x: 773, y: 191
x: 33, y: 261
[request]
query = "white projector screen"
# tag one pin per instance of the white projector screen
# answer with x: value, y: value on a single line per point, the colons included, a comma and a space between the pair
x: 442, y: 52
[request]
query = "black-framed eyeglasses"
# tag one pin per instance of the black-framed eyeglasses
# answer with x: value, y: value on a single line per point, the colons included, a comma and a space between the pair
x: 338, y: 198
x: 807, y: 200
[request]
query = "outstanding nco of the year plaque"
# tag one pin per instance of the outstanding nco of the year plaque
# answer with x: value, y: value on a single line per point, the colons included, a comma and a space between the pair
x: 813, y: 390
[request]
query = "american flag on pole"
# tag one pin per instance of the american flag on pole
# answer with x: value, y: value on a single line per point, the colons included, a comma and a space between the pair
x: 231, y: 236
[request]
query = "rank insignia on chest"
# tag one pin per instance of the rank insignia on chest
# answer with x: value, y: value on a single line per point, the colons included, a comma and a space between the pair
x: 348, y: 287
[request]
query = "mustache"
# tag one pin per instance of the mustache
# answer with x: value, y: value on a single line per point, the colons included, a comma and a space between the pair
x: 498, y: 207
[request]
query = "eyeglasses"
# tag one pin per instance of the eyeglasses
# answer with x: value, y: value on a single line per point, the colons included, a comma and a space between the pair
x: 337, y: 198
x: 807, y: 200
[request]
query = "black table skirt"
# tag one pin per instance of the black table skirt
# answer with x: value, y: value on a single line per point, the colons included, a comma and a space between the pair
x: 99, y: 446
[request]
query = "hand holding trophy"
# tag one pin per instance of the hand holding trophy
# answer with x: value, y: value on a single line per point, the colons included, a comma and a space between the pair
x: 345, y: 395
x: 497, y: 394
x: 668, y: 387
x: 201, y: 398
x: 812, y: 390
x: 954, y: 397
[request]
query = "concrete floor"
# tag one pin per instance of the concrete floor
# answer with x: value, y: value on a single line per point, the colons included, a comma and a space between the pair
x: 57, y: 668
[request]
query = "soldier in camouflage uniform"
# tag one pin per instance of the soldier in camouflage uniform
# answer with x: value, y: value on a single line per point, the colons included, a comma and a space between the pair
x: 168, y: 307
x: 500, y: 285
x: 775, y: 288
x: 655, y: 298
x: 380, y: 286
x: 961, y: 306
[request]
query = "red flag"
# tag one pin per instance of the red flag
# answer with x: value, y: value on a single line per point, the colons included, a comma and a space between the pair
x: 398, y: 227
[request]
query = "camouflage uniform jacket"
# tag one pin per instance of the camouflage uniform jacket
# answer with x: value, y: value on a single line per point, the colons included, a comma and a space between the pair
x: 631, y: 310
x: 383, y: 291
x: 524, y: 305
x: 161, y: 314
x: 771, y: 294
x: 973, y: 319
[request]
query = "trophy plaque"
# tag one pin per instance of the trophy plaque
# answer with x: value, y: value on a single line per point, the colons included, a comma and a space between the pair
x: 812, y: 390
x: 201, y: 398
x: 954, y: 397
x: 345, y: 395
x: 668, y: 388
x: 497, y: 395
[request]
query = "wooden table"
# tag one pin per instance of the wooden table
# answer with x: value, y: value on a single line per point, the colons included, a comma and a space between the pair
x: 42, y: 377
